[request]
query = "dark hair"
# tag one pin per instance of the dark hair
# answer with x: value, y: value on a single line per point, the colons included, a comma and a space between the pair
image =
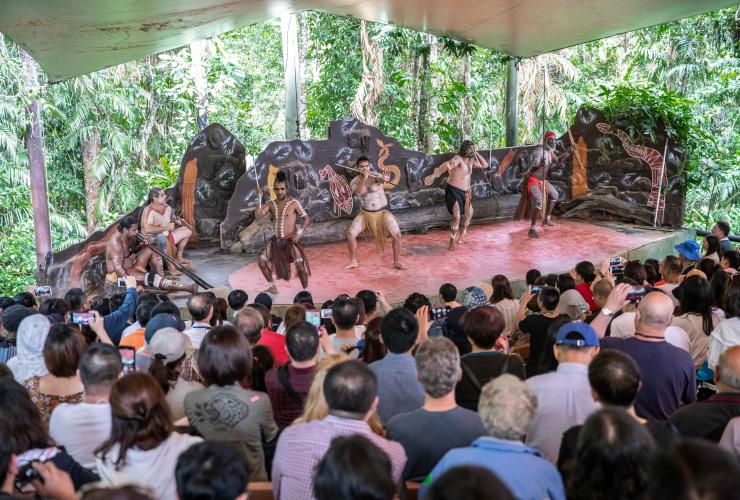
x: 128, y: 492
x: 448, y: 291
x: 634, y: 270
x: 724, y: 226
x: 532, y: 276
x: 224, y: 357
x: 100, y: 304
x: 373, y: 349
x: 116, y: 301
x: 165, y: 308
x: 652, y: 273
x: 211, y: 471
x: 549, y: 297
x: 237, y: 299
x: 713, y: 245
x: 733, y: 258
x: 62, y: 350
x: 144, y: 313
x: 708, y: 267
x: 6, y: 302
x: 350, y: 386
x: 694, y: 469
x: 14, y: 315
x: 304, y: 298
x: 22, y: 416
x: 344, y: 313
x: 6, y: 450
x: 369, y: 300
x: 464, y: 145
x: 615, y: 377
x: 732, y: 298
x: 501, y: 289
x: 469, y: 482
x: 100, y: 366
x: 54, y: 305
x: 262, y: 362
x: 566, y: 282
x: 483, y: 325
x: 76, y: 298
x: 5, y: 372
x: 362, y: 158
x: 586, y: 270
x: 612, y: 457
x: 414, y: 301
x: 141, y: 417
x: 302, y: 341
x: 25, y: 299
x: 293, y: 315
x: 166, y: 374
x: 280, y: 177
x: 126, y: 222
x: 153, y: 192
x: 696, y: 298
x: 548, y: 362
x: 263, y: 299
x: 720, y: 284
x: 353, y: 468
x: 672, y: 265
x: 199, y: 305
x: 220, y: 311
x: 399, y: 330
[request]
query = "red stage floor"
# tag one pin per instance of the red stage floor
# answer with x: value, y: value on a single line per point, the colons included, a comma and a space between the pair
x: 498, y: 248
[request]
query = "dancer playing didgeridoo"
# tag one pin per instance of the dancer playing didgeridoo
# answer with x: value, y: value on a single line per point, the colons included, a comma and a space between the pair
x: 169, y: 233
x: 457, y: 190
x: 537, y: 193
x: 122, y: 261
x: 284, y: 248
x: 374, y: 218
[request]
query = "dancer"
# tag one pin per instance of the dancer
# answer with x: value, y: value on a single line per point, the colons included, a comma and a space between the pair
x: 121, y: 261
x: 457, y: 190
x: 284, y: 248
x: 537, y: 193
x: 374, y: 218
x: 156, y: 222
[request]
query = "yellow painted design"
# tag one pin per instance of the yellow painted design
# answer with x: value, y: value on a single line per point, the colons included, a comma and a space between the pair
x: 580, y: 178
x: 385, y: 152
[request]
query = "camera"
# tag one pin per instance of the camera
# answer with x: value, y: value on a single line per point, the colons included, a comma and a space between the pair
x: 26, y: 474
x: 122, y: 282
x: 83, y: 318
x: 636, y: 293
x: 42, y: 291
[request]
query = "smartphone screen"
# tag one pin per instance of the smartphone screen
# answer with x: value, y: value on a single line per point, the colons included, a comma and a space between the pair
x: 128, y: 357
x: 83, y: 318
x: 326, y: 313
x: 314, y: 318
x: 42, y: 291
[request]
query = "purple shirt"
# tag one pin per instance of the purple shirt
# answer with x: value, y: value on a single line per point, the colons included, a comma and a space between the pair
x: 302, y: 446
x: 284, y: 408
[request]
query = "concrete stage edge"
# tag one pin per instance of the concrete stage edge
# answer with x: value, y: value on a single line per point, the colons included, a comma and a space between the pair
x: 494, y: 248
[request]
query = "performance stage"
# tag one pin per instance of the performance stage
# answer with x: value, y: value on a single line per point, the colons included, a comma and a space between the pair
x: 493, y: 248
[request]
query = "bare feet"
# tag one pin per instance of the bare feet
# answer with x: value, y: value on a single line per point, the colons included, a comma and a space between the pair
x: 461, y: 241
x: 351, y: 265
x: 548, y: 222
x: 533, y: 233
x: 273, y: 290
x: 452, y: 244
x: 398, y: 265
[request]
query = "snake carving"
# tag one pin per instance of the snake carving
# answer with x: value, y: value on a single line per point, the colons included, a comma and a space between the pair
x: 383, y: 154
x: 339, y: 189
x: 650, y: 156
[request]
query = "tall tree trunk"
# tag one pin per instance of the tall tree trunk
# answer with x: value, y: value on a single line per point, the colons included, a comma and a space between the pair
x: 427, y: 139
x: 423, y: 103
x: 414, y: 108
x: 35, y: 149
x: 198, y: 74
x: 291, y: 67
x: 90, y: 151
x: 302, y: 72
x: 364, y: 107
x: 466, y: 117
x: 152, y: 106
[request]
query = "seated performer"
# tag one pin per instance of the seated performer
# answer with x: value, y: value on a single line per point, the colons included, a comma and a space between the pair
x: 284, y: 248
x: 457, y: 190
x: 121, y: 261
x: 157, y: 222
x: 537, y: 193
x: 374, y: 218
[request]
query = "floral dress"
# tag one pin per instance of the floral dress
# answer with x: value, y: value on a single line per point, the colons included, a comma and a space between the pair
x: 45, y: 402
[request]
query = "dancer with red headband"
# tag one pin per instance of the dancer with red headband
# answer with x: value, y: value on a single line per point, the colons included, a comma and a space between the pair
x: 538, y: 196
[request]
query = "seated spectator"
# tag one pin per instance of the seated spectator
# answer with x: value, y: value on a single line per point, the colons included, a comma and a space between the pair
x: 634, y: 273
x: 571, y: 301
x: 142, y: 448
x: 730, y: 439
x: 549, y: 362
x: 350, y: 389
x: 652, y: 272
x: 484, y: 327
x: 612, y: 457
x: 688, y: 255
x: 247, y: 324
x: 344, y: 317
x: 211, y: 471
x: 584, y: 274
x: 720, y: 284
x: 168, y: 347
x: 671, y: 271
x: 371, y: 300
x: 31, y: 336
x: 696, y: 316
x: 236, y: 299
x: 30, y: 439
x: 731, y: 262
x: 146, y: 298
x: 507, y: 406
x: 144, y: 356
x: 136, y: 338
x: 450, y: 313
x: 305, y: 299
x: 81, y: 428
x: 264, y: 300
x: 398, y: 388
x: 601, y: 292
x: 225, y: 411
x: 373, y: 347
x: 536, y: 324
x: 502, y: 298
x: 201, y: 309
x: 62, y: 384
x: 55, y: 309
x: 354, y: 469
x: 564, y: 396
x: 12, y: 317
x: 416, y: 300
x: 293, y: 315
x: 77, y: 299
x: 116, y: 320
x: 468, y: 482
x: 693, y: 469
x: 727, y: 333
x: 721, y: 231
x: 707, y: 419
x: 440, y: 425
x: 668, y: 378
x: 220, y: 312
x: 262, y: 362
x: 288, y: 385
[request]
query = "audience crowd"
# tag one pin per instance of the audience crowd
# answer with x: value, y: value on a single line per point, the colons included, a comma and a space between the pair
x: 619, y: 380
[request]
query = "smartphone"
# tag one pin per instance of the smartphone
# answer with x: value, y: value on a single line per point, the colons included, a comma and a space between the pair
x: 122, y: 282
x: 128, y: 357
x: 42, y: 291
x: 438, y: 312
x: 326, y: 314
x: 83, y: 318
x: 314, y: 318
x: 535, y: 290
x: 616, y: 266
x: 636, y: 293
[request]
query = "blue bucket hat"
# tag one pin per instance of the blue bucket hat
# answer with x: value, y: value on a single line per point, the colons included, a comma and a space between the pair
x: 689, y: 249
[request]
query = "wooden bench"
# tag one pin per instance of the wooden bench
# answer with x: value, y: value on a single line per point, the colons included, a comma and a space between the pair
x: 263, y: 491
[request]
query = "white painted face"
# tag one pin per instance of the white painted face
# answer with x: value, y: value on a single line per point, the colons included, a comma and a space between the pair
x: 281, y: 190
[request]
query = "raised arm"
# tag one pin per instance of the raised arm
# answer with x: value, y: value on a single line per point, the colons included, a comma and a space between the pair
x: 480, y: 162
x: 444, y: 167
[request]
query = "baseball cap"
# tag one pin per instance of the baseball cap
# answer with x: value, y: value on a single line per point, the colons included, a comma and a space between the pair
x: 162, y: 320
x: 590, y: 337
x: 169, y: 343
x: 689, y: 249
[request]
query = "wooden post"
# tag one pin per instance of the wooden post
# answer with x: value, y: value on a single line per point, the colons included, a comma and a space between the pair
x: 289, y: 25
x: 512, y: 96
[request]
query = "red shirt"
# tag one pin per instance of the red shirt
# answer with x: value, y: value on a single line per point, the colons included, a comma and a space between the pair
x: 276, y: 343
x: 585, y: 290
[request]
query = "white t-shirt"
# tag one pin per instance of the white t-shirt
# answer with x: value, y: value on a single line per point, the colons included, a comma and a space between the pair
x: 197, y: 332
x: 153, y: 468
x: 624, y: 327
x: 724, y: 336
x: 81, y: 428
x: 668, y: 289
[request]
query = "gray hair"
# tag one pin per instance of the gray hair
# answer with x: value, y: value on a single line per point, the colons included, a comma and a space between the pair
x: 726, y: 370
x: 507, y: 406
x: 249, y: 321
x: 438, y: 366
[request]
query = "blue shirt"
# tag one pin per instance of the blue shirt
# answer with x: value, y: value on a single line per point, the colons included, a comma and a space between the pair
x: 117, y: 321
x: 522, y: 469
x: 398, y: 389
